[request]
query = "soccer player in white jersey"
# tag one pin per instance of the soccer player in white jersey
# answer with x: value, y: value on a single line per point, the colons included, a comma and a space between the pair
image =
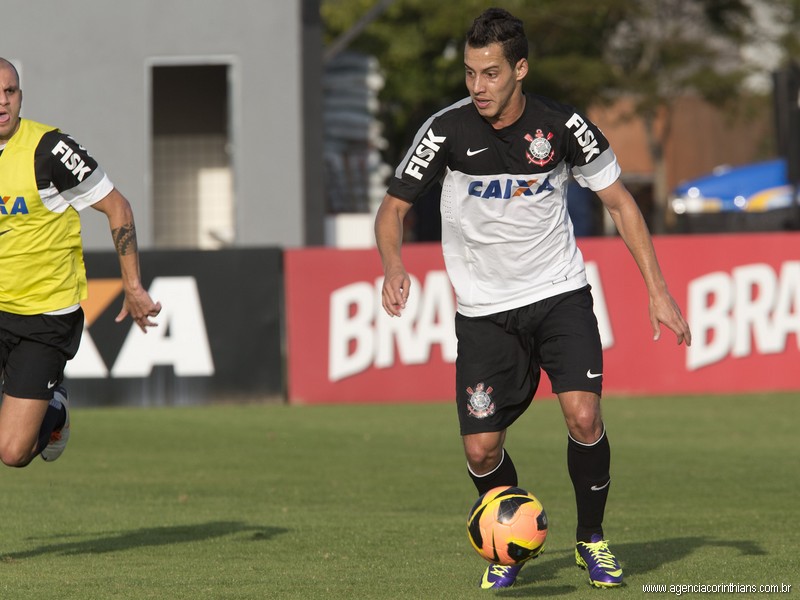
x: 504, y: 157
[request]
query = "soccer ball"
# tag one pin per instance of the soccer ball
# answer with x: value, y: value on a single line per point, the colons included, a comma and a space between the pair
x: 507, y: 526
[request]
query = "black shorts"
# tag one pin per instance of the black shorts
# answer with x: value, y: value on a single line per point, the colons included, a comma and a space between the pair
x: 34, y: 349
x: 500, y: 357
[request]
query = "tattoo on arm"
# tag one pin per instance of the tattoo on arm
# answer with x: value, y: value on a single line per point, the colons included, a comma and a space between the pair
x: 125, y: 239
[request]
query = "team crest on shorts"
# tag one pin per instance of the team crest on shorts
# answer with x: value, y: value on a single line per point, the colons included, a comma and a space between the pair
x: 480, y: 403
x: 540, y: 151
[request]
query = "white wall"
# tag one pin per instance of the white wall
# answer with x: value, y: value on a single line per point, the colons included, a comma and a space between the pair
x: 85, y: 69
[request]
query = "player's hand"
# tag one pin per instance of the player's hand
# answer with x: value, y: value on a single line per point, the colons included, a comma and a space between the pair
x: 140, y: 307
x: 664, y: 310
x: 394, y: 295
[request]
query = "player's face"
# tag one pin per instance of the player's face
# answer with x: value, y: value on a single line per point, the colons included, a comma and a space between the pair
x: 10, y: 103
x: 495, y: 87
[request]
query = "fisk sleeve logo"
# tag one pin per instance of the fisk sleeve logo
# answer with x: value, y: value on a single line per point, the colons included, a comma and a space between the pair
x: 423, y: 154
x: 584, y: 135
x: 76, y: 165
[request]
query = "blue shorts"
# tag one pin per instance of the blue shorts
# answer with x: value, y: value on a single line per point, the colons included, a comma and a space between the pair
x: 500, y: 357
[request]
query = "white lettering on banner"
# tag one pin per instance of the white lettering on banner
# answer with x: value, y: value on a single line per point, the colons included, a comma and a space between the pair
x: 351, y: 314
x: 753, y: 306
x: 600, y: 308
x: 87, y: 363
x: 179, y: 340
x: 186, y: 347
x: 362, y: 335
x: 427, y: 320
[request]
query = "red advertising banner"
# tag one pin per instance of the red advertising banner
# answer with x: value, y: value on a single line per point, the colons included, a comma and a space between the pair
x: 740, y: 294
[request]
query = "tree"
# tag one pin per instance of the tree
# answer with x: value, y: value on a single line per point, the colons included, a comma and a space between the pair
x: 671, y: 48
x: 582, y: 52
x: 789, y: 14
x: 420, y: 47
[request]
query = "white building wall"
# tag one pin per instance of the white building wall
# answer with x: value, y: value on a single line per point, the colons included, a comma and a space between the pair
x: 85, y: 69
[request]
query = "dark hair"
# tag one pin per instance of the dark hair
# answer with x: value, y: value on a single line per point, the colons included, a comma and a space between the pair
x: 497, y: 25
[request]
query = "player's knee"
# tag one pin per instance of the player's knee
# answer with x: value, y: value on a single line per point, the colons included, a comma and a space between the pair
x: 14, y: 455
x: 483, y: 459
x: 585, y: 426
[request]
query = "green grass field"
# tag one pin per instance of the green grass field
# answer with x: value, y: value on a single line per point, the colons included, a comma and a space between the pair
x: 343, y: 502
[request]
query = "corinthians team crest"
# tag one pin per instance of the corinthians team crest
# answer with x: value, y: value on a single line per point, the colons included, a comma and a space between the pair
x: 480, y: 403
x: 540, y: 151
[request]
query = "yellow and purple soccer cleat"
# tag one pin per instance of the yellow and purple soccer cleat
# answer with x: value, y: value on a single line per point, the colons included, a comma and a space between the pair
x: 499, y: 576
x: 596, y: 558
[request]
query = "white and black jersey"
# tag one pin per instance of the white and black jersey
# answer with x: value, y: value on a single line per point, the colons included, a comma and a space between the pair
x: 507, y: 238
x: 66, y: 174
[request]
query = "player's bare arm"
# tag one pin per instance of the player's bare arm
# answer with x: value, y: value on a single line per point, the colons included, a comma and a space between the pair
x: 632, y: 228
x: 389, y: 238
x: 137, y: 302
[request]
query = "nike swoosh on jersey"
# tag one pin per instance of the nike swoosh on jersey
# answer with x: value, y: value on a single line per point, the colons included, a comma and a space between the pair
x: 591, y: 375
x: 471, y: 152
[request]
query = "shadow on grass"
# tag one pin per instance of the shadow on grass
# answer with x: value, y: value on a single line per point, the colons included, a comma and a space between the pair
x: 149, y: 536
x: 636, y: 558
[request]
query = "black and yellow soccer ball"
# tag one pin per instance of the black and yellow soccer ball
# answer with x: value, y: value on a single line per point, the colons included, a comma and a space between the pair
x: 507, y: 526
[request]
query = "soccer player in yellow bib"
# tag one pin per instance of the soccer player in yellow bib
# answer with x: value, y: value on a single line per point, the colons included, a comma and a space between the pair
x: 46, y: 178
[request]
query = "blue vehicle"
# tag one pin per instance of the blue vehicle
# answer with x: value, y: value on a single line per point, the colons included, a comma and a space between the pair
x: 758, y: 187
x: 756, y: 197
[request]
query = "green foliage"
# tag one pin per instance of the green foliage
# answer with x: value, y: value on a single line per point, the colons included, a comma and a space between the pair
x: 420, y: 48
x: 671, y: 48
x: 370, y: 502
x: 791, y: 38
x: 582, y: 52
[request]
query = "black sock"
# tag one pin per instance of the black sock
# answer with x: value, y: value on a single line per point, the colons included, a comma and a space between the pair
x: 54, y: 418
x: 503, y: 474
x: 588, y: 466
